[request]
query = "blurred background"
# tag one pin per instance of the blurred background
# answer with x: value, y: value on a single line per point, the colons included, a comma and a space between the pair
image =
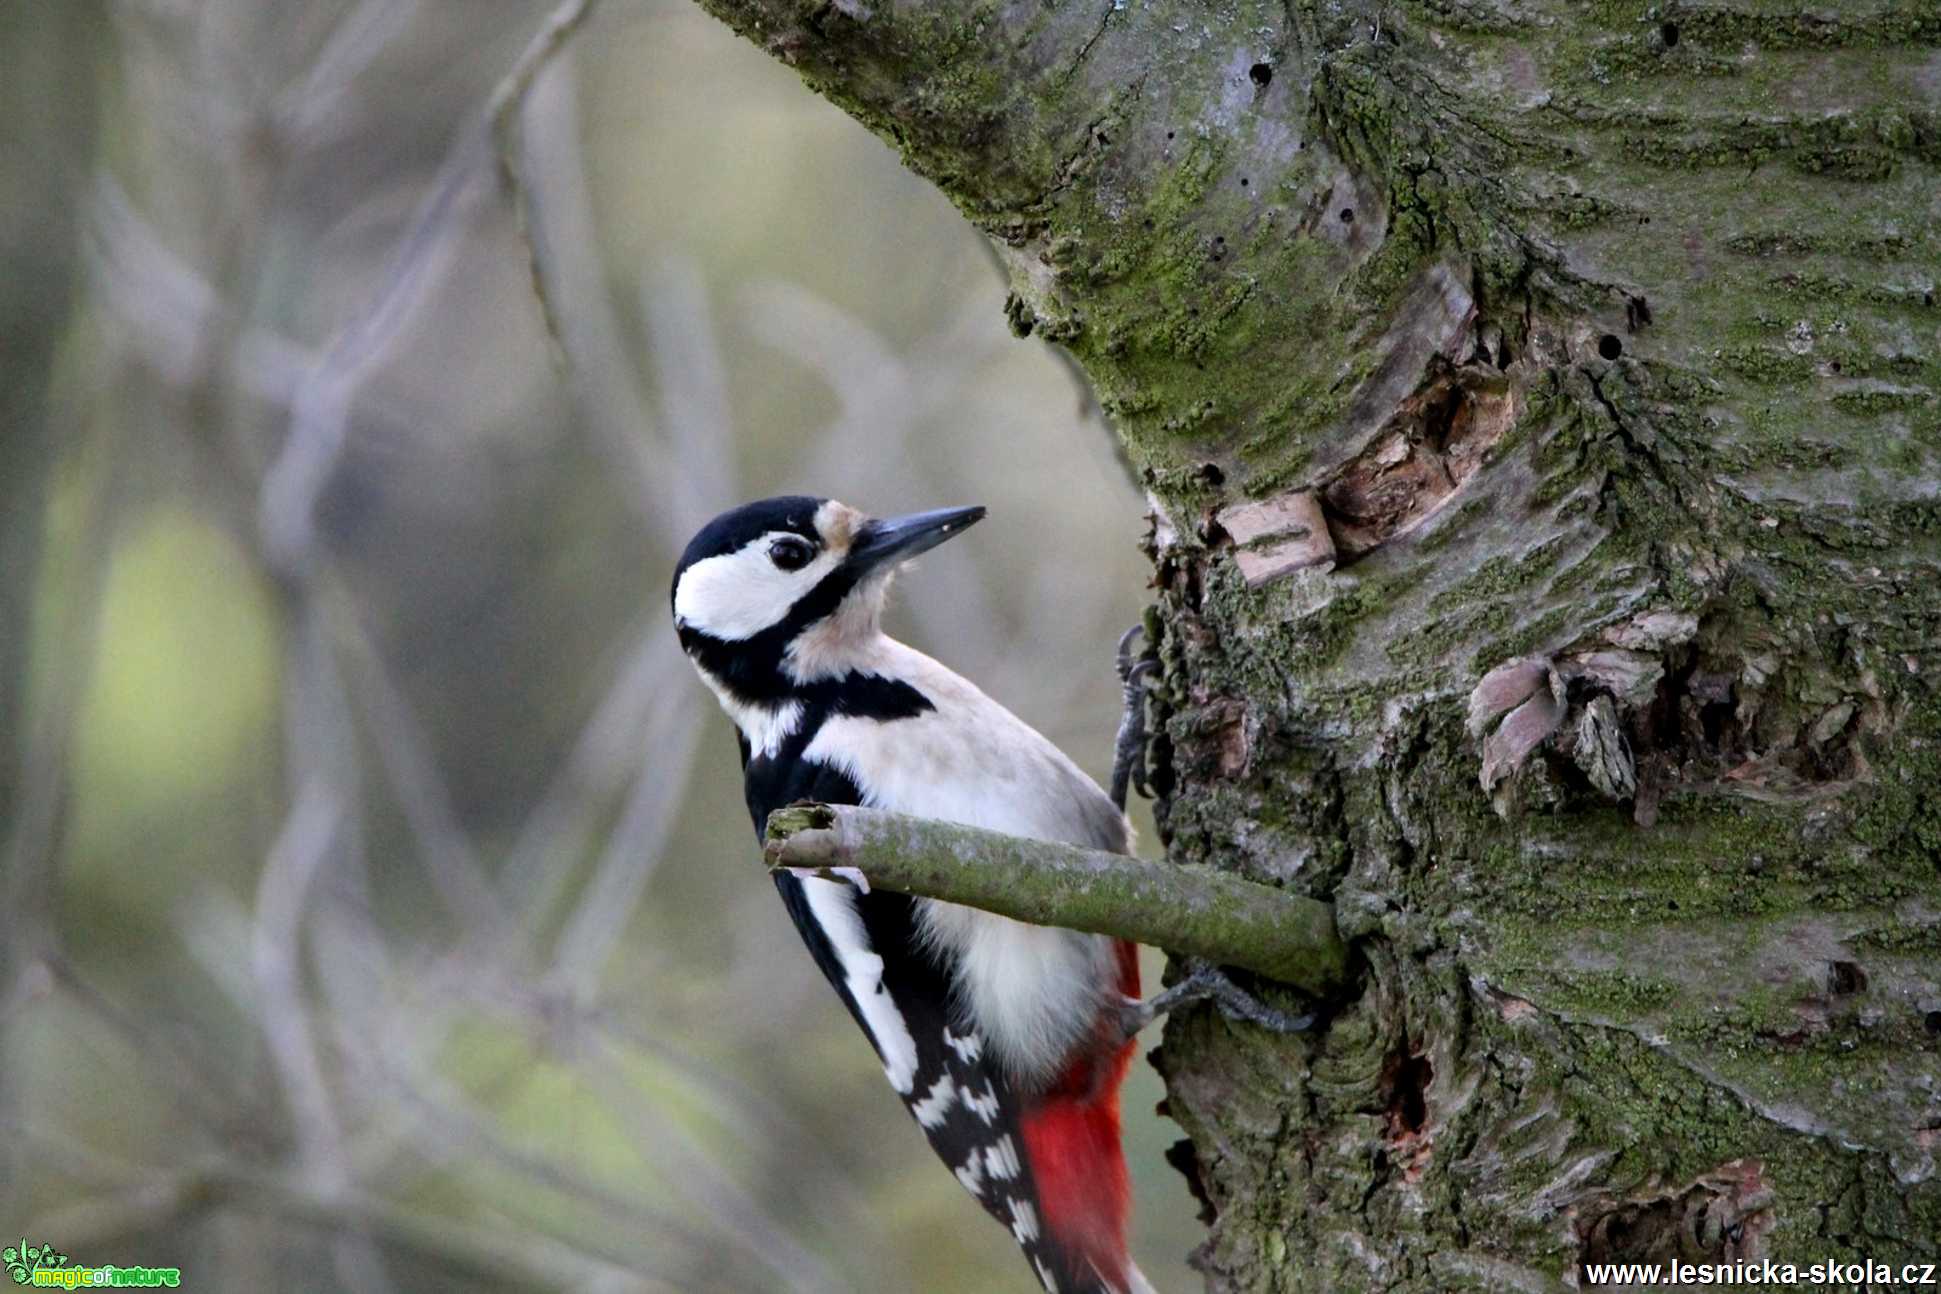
x: 379, y: 911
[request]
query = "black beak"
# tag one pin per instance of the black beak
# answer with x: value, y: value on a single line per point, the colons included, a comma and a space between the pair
x: 896, y: 539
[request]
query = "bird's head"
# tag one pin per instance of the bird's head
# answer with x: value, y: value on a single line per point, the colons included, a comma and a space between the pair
x: 781, y: 592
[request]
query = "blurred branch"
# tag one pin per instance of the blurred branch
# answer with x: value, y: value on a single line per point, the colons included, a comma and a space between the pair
x: 677, y: 484
x: 320, y: 410
x: 412, y: 770
x: 437, y: 1121
x: 567, y: 1027
x: 749, y: 1224
x: 201, y: 1089
x: 1193, y: 910
x: 354, y: 45
x: 166, y: 311
x: 504, y: 106
x: 882, y: 395
x: 389, y: 1043
x: 562, y: 242
x: 633, y: 848
x: 492, y: 1256
x: 611, y: 745
x: 52, y: 699
x: 691, y: 372
x: 282, y: 896
x: 43, y: 667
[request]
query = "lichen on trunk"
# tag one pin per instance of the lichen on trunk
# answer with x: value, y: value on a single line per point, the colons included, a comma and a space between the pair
x: 1538, y: 404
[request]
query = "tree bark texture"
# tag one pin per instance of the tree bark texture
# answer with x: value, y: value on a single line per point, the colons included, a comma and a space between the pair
x: 1538, y: 404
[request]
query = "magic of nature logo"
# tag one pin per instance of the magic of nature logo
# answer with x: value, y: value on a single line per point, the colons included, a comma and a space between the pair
x: 46, y: 1267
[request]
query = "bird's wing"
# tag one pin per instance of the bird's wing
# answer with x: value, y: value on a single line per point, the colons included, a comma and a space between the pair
x: 977, y: 1122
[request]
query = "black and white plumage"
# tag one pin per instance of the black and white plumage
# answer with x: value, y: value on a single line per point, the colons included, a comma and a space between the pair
x: 1004, y: 1040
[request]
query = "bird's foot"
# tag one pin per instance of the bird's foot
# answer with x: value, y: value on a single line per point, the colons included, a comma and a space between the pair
x: 1205, y: 982
x: 1129, y: 750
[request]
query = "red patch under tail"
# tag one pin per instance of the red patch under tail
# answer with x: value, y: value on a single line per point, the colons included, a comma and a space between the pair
x: 1071, y: 1137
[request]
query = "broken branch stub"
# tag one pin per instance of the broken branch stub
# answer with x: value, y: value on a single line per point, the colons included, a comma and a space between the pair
x: 1276, y: 536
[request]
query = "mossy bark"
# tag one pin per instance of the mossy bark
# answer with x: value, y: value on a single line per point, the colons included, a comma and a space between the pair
x: 1538, y: 401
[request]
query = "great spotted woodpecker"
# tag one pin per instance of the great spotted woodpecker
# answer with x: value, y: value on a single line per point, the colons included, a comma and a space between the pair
x: 1006, y: 1041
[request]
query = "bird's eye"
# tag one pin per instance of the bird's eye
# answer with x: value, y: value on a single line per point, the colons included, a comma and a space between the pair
x: 790, y: 554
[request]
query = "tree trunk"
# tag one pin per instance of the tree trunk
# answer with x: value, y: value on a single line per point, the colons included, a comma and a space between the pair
x: 1538, y: 405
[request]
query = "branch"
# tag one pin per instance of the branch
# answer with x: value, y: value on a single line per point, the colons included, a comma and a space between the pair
x: 1185, y: 909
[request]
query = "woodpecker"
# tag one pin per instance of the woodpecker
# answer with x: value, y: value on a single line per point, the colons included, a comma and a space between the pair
x: 1008, y: 1042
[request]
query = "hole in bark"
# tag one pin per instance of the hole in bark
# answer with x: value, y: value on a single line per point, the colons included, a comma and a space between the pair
x: 1712, y: 720
x: 1927, y: 297
x: 1433, y: 442
x: 1609, y: 346
x: 1211, y: 474
x: 1669, y: 34
x: 1720, y: 1217
x: 1347, y: 215
x: 1933, y: 1021
x: 1261, y: 74
x: 1407, y: 1080
x: 1637, y: 313
x: 1844, y: 979
x: 1243, y: 181
x: 1836, y: 366
x: 1414, y: 1107
x: 1169, y: 134
x: 1191, y: 592
x: 1715, y: 721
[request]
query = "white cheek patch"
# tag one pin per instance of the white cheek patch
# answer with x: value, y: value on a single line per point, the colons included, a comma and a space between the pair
x: 737, y: 595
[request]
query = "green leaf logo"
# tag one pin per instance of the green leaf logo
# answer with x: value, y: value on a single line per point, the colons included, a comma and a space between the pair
x: 23, y: 1260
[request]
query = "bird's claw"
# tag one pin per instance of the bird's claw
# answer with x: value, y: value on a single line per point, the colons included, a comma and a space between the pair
x: 1129, y: 750
x: 1124, y: 655
x: 1208, y: 983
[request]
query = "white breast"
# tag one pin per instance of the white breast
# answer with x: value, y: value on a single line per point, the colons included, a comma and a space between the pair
x: 1035, y: 992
